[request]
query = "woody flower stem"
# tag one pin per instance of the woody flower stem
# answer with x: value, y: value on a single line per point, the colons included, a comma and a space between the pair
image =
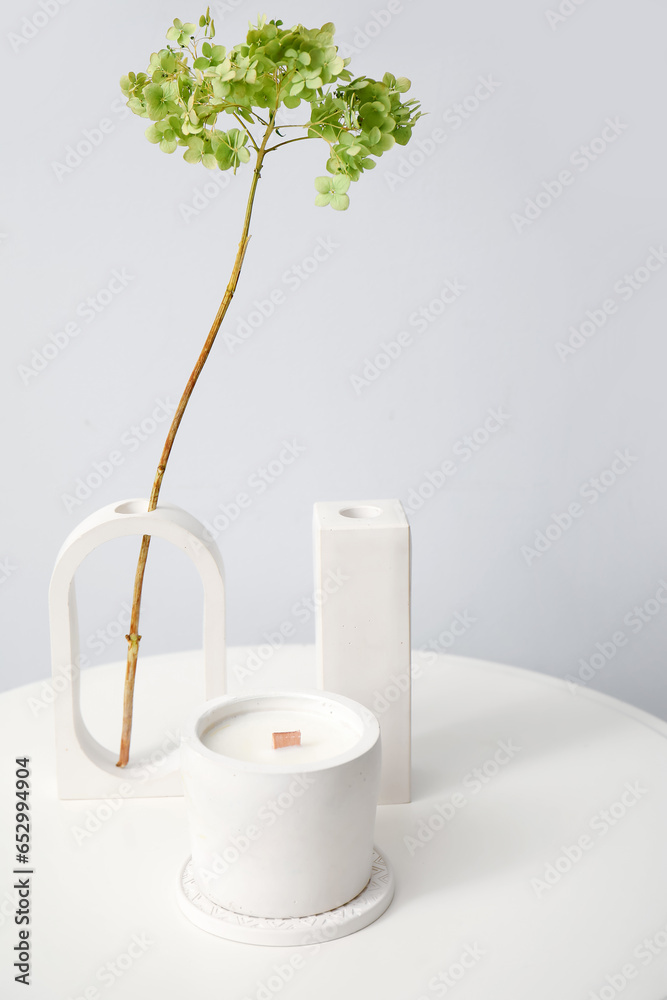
x: 133, y: 638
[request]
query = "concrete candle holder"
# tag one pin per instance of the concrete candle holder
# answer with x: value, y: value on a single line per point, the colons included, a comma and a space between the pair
x: 86, y: 769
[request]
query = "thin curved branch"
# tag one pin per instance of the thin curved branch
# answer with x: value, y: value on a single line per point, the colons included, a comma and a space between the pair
x: 133, y: 637
x: 287, y: 142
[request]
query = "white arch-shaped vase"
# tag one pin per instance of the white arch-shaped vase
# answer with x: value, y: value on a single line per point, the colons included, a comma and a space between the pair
x: 85, y: 768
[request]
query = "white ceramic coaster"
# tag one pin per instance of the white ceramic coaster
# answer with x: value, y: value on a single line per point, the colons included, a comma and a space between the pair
x: 353, y: 916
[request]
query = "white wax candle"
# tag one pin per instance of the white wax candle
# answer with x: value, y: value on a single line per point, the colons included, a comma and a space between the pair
x: 248, y: 736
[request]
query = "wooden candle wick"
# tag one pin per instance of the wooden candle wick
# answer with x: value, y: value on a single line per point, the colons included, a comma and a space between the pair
x: 287, y: 739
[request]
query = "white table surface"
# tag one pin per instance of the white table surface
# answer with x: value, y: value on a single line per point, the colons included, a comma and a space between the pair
x: 599, y: 931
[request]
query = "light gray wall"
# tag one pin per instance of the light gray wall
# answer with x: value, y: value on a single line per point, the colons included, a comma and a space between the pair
x: 516, y: 93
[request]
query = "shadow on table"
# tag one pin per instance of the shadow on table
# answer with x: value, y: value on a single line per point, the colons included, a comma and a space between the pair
x: 490, y: 791
x: 542, y: 725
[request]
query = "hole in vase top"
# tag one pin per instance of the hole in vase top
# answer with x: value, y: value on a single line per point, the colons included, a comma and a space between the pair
x: 132, y: 507
x: 360, y: 511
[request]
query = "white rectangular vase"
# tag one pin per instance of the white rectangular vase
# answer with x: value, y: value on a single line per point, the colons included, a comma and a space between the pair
x: 362, y: 571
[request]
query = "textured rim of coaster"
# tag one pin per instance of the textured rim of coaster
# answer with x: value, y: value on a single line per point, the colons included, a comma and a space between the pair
x: 361, y: 911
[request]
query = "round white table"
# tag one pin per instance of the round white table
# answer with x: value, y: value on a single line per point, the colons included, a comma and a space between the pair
x: 530, y: 865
